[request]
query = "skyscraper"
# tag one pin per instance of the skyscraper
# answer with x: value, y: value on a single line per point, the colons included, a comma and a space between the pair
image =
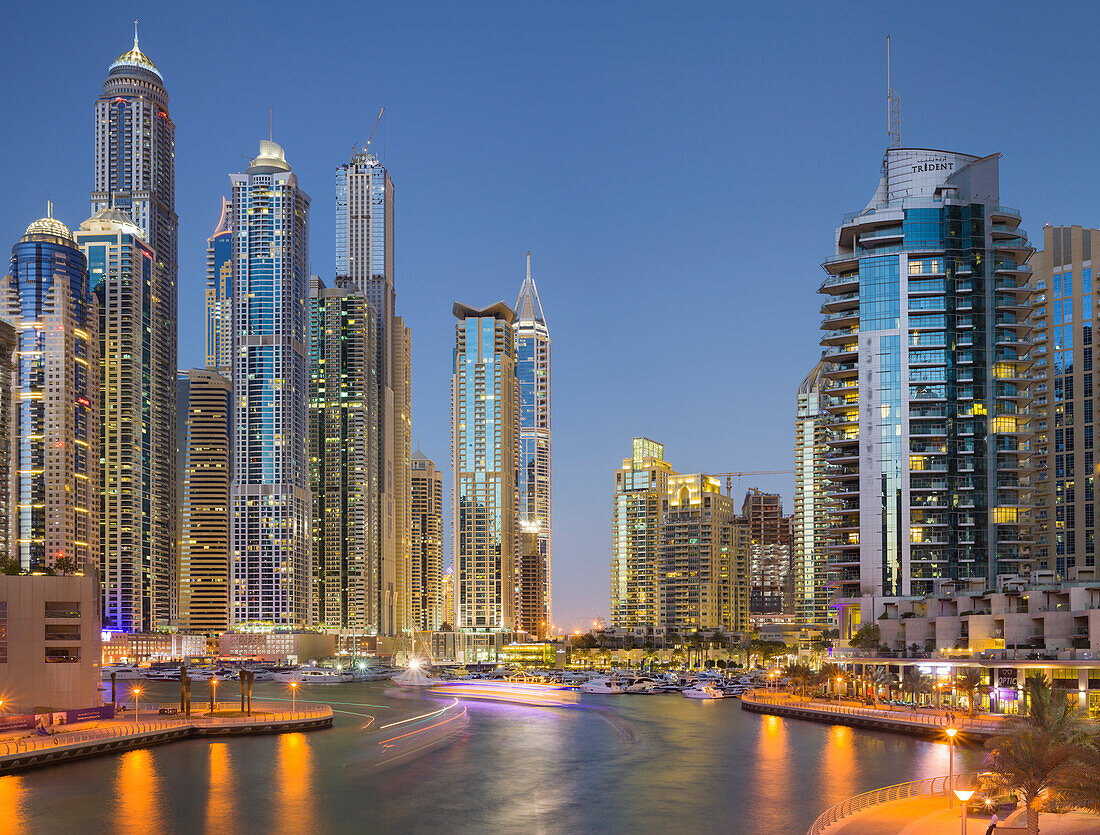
x: 535, y: 611
x: 926, y: 337
x: 204, y: 464
x: 810, y: 521
x: 54, y: 463
x: 1065, y: 419
x: 484, y: 439
x: 343, y: 461
x: 769, y: 533
x: 219, y: 295
x: 135, y: 172
x: 641, y: 484
x: 404, y: 586
x: 364, y: 255
x: 270, y: 496
x: 8, y: 336
x: 449, y: 597
x: 427, y: 543
x: 702, y: 571
x: 137, y: 552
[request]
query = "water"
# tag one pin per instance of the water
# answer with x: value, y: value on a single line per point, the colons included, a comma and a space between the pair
x: 617, y: 764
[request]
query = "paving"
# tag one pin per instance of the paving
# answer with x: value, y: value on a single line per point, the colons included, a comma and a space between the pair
x: 931, y: 816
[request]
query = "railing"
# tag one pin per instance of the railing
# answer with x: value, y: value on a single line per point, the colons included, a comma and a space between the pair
x: 262, y: 712
x: 929, y: 720
x: 928, y: 787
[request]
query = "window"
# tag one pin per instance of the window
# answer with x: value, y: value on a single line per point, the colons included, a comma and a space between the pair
x: 62, y: 610
x: 3, y: 632
x: 62, y: 655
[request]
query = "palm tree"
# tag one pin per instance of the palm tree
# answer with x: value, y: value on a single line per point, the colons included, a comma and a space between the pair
x: 1042, y: 753
x: 914, y: 683
x: 828, y: 675
x: 801, y: 676
x: 881, y: 677
x: 968, y: 681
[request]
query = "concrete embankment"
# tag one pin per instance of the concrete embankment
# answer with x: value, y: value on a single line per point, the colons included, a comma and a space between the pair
x: 17, y: 754
x: 913, y: 723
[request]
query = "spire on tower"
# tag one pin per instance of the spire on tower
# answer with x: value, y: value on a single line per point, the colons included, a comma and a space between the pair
x: 135, y: 36
x: 528, y: 265
x: 528, y: 306
x: 893, y: 106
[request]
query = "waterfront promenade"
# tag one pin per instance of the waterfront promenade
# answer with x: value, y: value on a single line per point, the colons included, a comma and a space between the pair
x: 145, y: 727
x: 928, y: 723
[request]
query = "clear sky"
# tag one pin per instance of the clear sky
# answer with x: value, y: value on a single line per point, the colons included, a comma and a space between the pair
x: 677, y: 169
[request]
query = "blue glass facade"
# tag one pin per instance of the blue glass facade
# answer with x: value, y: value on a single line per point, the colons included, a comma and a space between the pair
x: 219, y: 296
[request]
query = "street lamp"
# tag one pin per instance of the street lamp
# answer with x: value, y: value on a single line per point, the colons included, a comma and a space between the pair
x: 838, y: 681
x: 213, y: 695
x: 951, y: 764
x: 137, y: 705
x: 964, y: 795
x: 293, y: 695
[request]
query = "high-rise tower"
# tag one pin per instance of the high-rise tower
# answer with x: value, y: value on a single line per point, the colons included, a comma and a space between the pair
x: 55, y: 463
x: 365, y: 258
x: 135, y: 172
x: 484, y: 437
x: 270, y: 496
x: 219, y: 296
x: 427, y: 543
x: 926, y: 341
x: 533, y: 477
x: 137, y: 553
x: 810, y: 521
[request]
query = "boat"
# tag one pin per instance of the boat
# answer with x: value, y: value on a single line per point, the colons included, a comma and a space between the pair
x: 706, y: 691
x: 609, y: 686
x: 312, y: 675
x: 414, y: 676
x: 122, y: 672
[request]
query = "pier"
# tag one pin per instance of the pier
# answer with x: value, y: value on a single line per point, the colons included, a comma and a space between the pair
x: 923, y: 723
x: 31, y: 749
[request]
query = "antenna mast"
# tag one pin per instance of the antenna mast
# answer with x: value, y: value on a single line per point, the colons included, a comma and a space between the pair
x: 893, y: 106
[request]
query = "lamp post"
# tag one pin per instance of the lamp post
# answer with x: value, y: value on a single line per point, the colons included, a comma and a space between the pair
x: 137, y: 705
x: 213, y: 695
x: 951, y: 765
x: 838, y: 681
x: 963, y: 795
x: 293, y: 695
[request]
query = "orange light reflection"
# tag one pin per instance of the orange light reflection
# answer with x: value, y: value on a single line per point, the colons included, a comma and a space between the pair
x: 137, y: 793
x: 294, y: 772
x: 11, y: 794
x: 219, y: 802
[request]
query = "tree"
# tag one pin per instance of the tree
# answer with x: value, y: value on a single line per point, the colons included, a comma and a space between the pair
x: 968, y: 681
x: 1040, y: 755
x: 867, y: 637
x: 882, y: 677
x: 10, y: 565
x: 65, y: 565
x: 801, y: 676
x: 828, y: 675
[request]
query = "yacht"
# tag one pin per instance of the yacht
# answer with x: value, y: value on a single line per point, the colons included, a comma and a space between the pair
x: 122, y: 672
x: 603, y: 685
x: 706, y: 691
x: 312, y: 675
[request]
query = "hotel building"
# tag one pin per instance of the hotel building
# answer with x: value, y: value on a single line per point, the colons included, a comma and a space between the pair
x: 204, y: 464
x: 926, y: 337
x: 269, y: 497
x: 137, y: 554
x: 641, y: 484
x: 55, y: 469
x: 484, y: 455
x: 534, y: 604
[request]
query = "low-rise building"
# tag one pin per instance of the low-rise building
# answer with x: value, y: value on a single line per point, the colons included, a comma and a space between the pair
x: 546, y: 654
x: 145, y: 647
x: 278, y: 647
x: 49, y: 642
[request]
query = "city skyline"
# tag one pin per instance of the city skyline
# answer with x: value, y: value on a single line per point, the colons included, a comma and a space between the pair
x: 485, y: 265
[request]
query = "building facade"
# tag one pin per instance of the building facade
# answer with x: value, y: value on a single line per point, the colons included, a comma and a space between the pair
x: 641, y: 484
x: 365, y: 257
x: 702, y: 570
x: 484, y: 441
x: 219, y: 295
x: 9, y: 337
x: 270, y: 498
x: 405, y: 585
x: 204, y: 465
x: 55, y: 461
x: 137, y: 554
x: 1064, y: 422
x: 135, y: 172
x: 427, y: 543
x: 343, y: 459
x: 769, y: 534
x: 449, y: 597
x: 535, y: 609
x: 926, y: 339
x: 810, y: 522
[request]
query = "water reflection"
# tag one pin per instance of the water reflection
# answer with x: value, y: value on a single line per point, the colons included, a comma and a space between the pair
x: 772, y: 762
x: 11, y: 793
x: 219, y: 802
x: 839, y: 762
x: 293, y: 778
x: 137, y: 792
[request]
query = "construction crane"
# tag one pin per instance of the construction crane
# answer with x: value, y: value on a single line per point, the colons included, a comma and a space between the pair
x: 366, y: 148
x: 731, y: 476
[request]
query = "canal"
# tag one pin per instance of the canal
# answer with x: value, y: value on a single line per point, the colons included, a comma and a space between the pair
x: 612, y: 764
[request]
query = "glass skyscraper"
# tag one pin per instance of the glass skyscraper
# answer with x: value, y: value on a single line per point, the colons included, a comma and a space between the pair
x: 533, y: 477
x: 55, y: 457
x: 135, y: 172
x: 270, y: 496
x: 219, y: 296
x: 484, y: 456
x: 810, y: 522
x: 926, y: 341
x: 137, y: 553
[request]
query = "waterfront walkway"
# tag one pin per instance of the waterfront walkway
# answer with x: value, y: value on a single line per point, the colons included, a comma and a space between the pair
x: 29, y: 749
x: 926, y: 723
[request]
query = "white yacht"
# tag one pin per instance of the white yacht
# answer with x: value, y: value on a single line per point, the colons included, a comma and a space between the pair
x: 414, y: 676
x: 702, y: 690
x: 312, y: 675
x: 602, y: 685
x: 123, y: 672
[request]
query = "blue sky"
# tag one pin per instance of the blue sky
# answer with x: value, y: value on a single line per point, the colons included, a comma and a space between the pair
x: 677, y: 170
